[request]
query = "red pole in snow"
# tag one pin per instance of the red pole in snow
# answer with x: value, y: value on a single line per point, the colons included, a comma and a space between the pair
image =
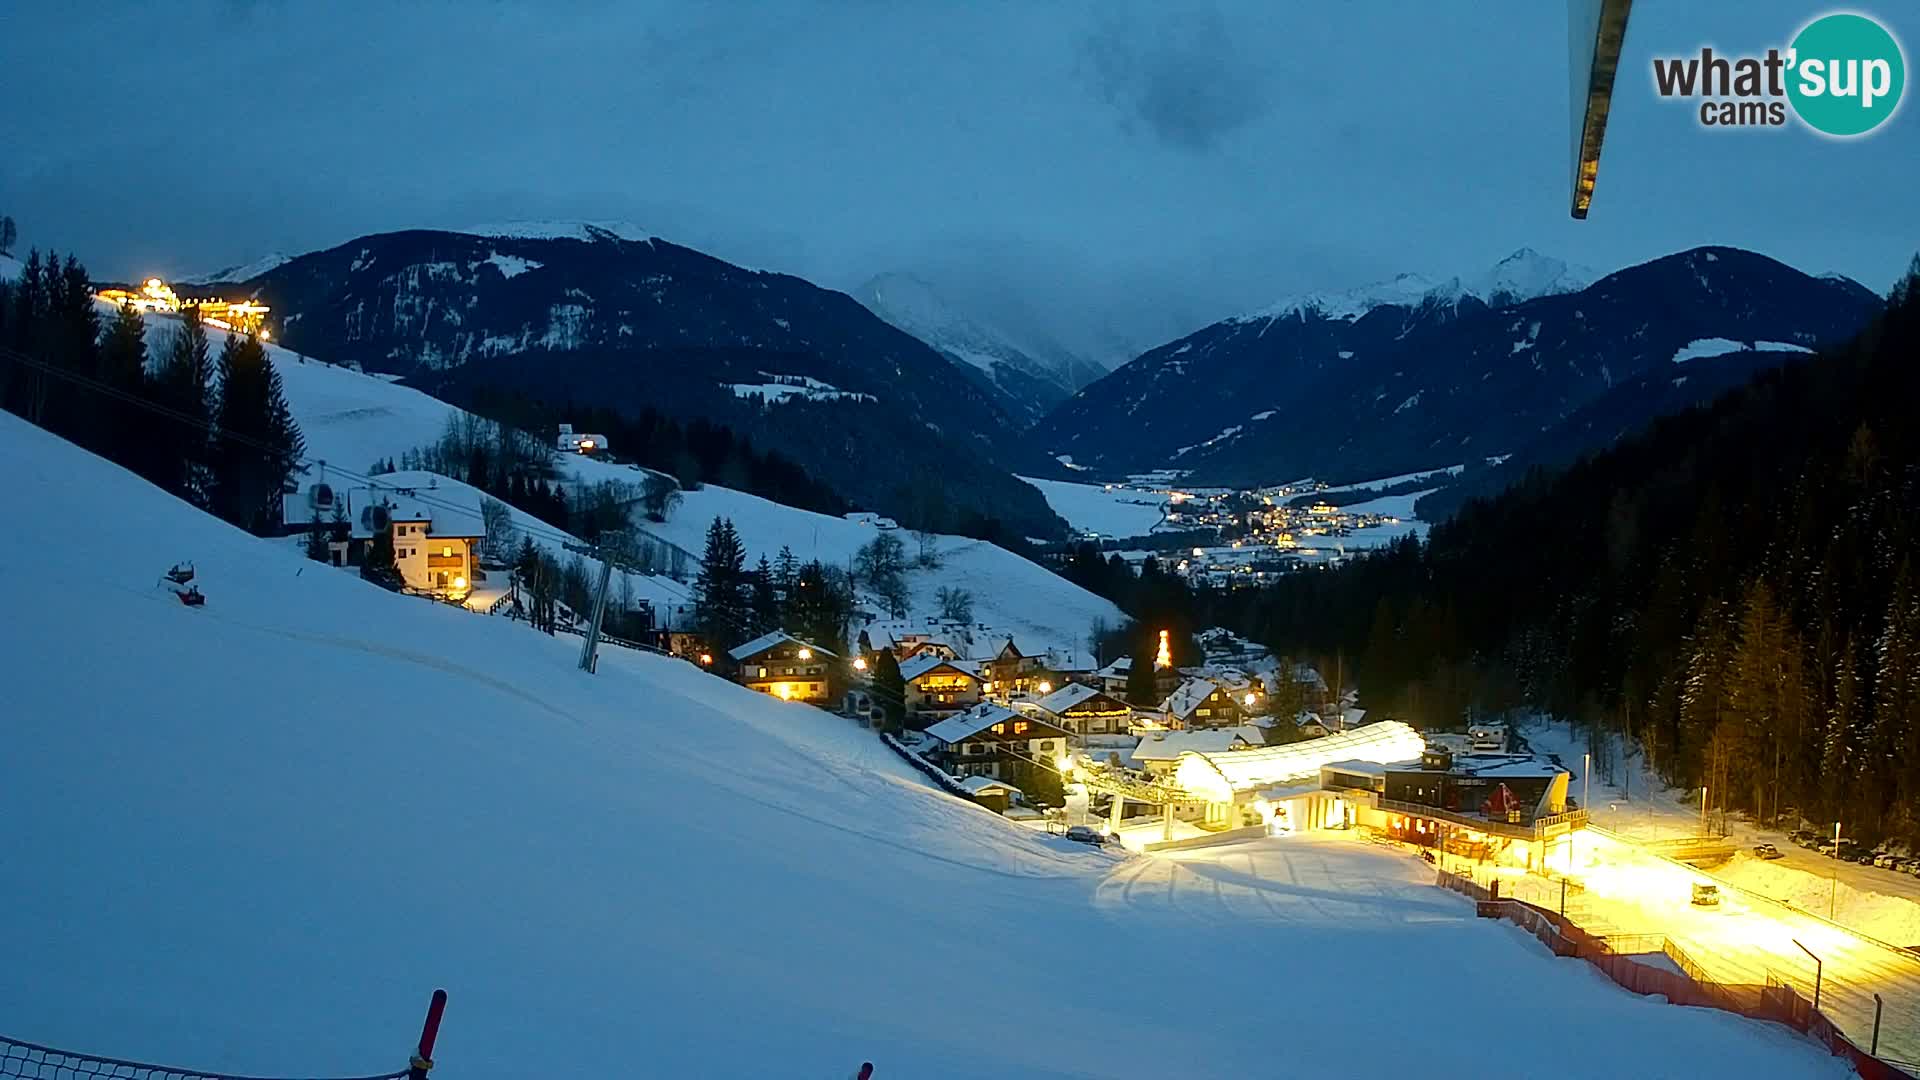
x: 429, y: 1031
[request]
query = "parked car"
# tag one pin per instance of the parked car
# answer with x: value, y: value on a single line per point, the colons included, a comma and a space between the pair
x: 1805, y: 838
x: 1826, y: 847
x: 1861, y: 856
x: 1767, y: 851
x: 1706, y: 895
x: 1085, y: 834
x: 1885, y: 860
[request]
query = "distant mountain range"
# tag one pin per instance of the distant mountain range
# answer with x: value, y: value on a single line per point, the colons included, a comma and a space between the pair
x: 1034, y: 376
x: 1414, y: 374
x: 603, y: 313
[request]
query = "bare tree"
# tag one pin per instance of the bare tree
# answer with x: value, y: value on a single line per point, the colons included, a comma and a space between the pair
x: 929, y: 545
x: 497, y: 519
x: 660, y: 497
x: 956, y: 605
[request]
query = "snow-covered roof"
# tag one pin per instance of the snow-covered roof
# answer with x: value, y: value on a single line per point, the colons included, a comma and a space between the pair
x: 1220, y: 776
x: 1169, y: 745
x: 412, y: 497
x: 769, y: 640
x: 972, y: 722
x: 921, y: 663
x: 1067, y: 697
x: 1119, y: 666
x: 978, y: 784
x: 1183, y: 701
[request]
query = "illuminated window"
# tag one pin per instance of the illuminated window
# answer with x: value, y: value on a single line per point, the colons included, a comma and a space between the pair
x: 1020, y: 727
x: 763, y: 673
x: 1000, y: 729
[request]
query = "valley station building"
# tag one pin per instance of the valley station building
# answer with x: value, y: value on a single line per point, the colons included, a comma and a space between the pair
x: 1510, y: 808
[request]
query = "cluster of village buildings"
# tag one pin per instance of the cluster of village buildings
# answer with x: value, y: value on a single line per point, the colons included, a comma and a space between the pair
x: 1206, y: 755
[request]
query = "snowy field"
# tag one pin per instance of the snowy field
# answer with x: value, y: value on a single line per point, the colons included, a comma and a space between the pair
x: 351, y: 420
x: 1110, y: 511
x: 257, y: 833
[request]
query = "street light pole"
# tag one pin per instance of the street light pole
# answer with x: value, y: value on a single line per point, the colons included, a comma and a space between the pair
x: 1818, y: 967
x: 1833, y: 893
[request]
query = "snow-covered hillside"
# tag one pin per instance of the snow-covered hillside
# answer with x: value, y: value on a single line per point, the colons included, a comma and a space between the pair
x: 239, y: 272
x: 10, y: 268
x: 253, y: 835
x: 1103, y: 508
x: 351, y: 420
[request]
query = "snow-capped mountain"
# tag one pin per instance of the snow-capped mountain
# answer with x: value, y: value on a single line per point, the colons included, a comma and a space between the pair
x: 1034, y: 376
x: 1412, y: 375
x: 603, y: 313
x: 1520, y: 276
x: 239, y: 272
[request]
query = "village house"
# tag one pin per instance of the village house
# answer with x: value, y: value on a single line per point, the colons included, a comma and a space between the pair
x: 1113, y: 678
x: 1160, y: 753
x: 1081, y: 710
x: 782, y: 665
x: 1202, y: 703
x: 579, y: 442
x: 939, y: 686
x: 994, y: 741
x: 1012, y: 674
x: 434, y: 542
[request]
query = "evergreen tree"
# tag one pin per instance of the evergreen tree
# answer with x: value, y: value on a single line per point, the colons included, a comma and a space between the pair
x: 764, y: 604
x: 128, y: 433
x: 889, y: 691
x: 1143, y: 688
x: 184, y: 387
x: 319, y: 533
x: 721, y: 602
x: 821, y: 607
x: 259, y: 443
x: 378, y: 565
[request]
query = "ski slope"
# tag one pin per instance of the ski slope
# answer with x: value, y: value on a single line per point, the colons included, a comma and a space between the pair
x: 251, y: 837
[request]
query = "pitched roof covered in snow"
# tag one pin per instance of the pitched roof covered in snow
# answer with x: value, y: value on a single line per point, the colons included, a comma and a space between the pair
x: 970, y: 723
x: 1068, y: 696
x: 921, y: 663
x: 769, y: 640
x: 978, y: 784
x: 1192, y: 693
x: 1169, y: 745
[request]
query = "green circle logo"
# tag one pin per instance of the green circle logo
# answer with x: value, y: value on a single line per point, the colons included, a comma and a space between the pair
x: 1847, y: 74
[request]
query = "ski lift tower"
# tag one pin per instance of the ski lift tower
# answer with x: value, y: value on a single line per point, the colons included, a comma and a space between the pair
x: 1596, y: 31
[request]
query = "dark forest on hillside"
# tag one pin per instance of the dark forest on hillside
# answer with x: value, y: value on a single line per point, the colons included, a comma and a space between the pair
x: 1734, y: 589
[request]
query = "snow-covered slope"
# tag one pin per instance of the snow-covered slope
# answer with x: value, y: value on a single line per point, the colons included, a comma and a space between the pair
x: 351, y: 420
x: 10, y: 268
x: 239, y: 272
x: 250, y: 837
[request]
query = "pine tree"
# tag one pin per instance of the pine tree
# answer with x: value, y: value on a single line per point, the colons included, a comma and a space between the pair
x: 318, y: 537
x: 184, y: 387
x: 720, y: 606
x: 765, y: 605
x: 259, y: 443
x: 378, y: 566
x: 890, y: 691
x: 1143, y: 687
x: 126, y: 436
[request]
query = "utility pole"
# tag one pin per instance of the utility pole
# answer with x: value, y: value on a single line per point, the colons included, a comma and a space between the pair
x: 1833, y: 893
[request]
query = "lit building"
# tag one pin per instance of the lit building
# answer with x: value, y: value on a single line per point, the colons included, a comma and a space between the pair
x: 1012, y: 674
x: 580, y: 442
x: 433, y: 543
x: 1083, y: 710
x: 155, y: 295
x: 993, y: 740
x: 785, y: 667
x: 1203, y: 703
x: 938, y: 686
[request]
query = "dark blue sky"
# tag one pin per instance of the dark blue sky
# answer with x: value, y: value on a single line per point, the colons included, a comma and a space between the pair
x: 1106, y: 173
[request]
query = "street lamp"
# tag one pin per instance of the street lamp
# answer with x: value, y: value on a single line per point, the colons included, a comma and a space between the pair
x: 1833, y: 891
x: 859, y: 663
x: 1817, y: 967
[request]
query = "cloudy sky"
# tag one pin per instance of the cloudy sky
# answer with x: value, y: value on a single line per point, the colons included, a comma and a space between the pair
x: 1111, y: 174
